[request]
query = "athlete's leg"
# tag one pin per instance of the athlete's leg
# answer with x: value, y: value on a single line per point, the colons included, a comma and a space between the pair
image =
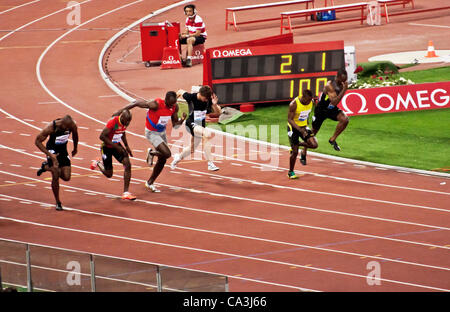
x: 293, y: 156
x: 55, y: 183
x: 163, y: 153
x: 342, y: 124
x: 126, y: 174
x: 65, y: 173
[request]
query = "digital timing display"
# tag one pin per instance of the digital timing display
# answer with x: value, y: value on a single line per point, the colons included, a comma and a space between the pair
x: 272, y: 73
x: 277, y: 64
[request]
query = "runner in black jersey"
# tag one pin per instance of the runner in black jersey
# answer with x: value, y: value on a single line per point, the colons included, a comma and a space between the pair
x: 201, y: 103
x: 327, y: 107
x: 58, y: 161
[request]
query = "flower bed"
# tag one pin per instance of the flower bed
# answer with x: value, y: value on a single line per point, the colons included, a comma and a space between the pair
x: 381, y: 78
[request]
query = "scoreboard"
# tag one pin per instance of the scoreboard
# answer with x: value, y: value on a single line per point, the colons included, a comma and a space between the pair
x: 271, y: 73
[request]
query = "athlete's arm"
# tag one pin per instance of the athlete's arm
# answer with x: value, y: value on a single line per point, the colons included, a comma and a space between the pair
x: 137, y: 103
x: 175, y: 120
x: 216, y: 111
x: 74, y: 130
x: 336, y: 98
x: 291, y: 114
x: 41, y: 137
x: 180, y: 93
x: 125, y: 142
x: 104, y: 136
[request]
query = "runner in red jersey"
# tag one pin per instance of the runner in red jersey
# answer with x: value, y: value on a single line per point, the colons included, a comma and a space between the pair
x: 158, y: 115
x: 112, y: 136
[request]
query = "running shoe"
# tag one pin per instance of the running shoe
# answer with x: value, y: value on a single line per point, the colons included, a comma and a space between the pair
x: 151, y: 187
x: 291, y: 175
x: 212, y: 167
x: 335, y: 145
x: 175, y: 161
x: 150, y: 157
x: 94, y: 164
x: 59, y: 207
x: 189, y: 62
x: 42, y: 170
x: 128, y: 196
x: 302, y: 159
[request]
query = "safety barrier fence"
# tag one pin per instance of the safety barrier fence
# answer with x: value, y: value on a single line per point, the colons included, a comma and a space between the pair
x: 44, y: 268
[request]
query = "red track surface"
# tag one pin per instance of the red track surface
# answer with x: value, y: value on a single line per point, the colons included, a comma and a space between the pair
x: 245, y: 221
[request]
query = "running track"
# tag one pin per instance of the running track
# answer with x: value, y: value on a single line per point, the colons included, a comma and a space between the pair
x: 246, y: 221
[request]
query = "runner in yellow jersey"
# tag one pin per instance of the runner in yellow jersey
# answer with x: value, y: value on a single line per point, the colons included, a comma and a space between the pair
x: 298, y: 118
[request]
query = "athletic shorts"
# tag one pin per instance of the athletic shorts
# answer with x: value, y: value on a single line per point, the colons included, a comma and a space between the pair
x: 320, y: 114
x: 198, y: 40
x: 155, y: 138
x: 62, y: 158
x: 294, y: 135
x: 190, y: 126
x: 107, y: 155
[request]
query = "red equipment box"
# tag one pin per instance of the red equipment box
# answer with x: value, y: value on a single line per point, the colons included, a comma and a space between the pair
x: 155, y: 37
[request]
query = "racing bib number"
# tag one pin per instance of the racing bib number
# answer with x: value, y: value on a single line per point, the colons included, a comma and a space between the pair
x: 163, y: 120
x: 117, y: 138
x: 199, y: 115
x: 62, y: 139
x: 304, y: 115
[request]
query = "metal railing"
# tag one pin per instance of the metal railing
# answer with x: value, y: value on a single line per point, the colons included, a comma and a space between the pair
x: 45, y: 268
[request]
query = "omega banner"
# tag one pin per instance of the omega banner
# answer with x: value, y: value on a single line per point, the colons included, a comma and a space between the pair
x: 396, y: 99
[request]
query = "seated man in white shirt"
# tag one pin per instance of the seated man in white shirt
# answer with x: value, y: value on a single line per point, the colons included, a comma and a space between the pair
x: 194, y: 33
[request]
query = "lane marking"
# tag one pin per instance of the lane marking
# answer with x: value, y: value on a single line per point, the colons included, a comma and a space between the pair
x: 208, y: 251
x: 41, y: 18
x: 285, y: 205
x: 47, y: 102
x: 109, y: 96
x: 299, y: 246
x: 19, y: 6
x: 239, y: 216
x: 429, y: 25
x: 41, y: 57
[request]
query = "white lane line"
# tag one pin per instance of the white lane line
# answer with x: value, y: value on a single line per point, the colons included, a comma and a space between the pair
x: 47, y: 102
x: 19, y: 6
x: 233, y: 179
x: 41, y: 57
x: 14, y: 165
x: 7, y: 132
x: 292, y: 206
x: 29, y: 120
x: 236, y: 235
x: 41, y: 18
x: 322, y: 193
x: 108, y: 96
x: 429, y: 25
x: 141, y: 136
x: 239, y: 216
x: 175, y: 246
x: 227, y: 254
x: 272, y: 185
